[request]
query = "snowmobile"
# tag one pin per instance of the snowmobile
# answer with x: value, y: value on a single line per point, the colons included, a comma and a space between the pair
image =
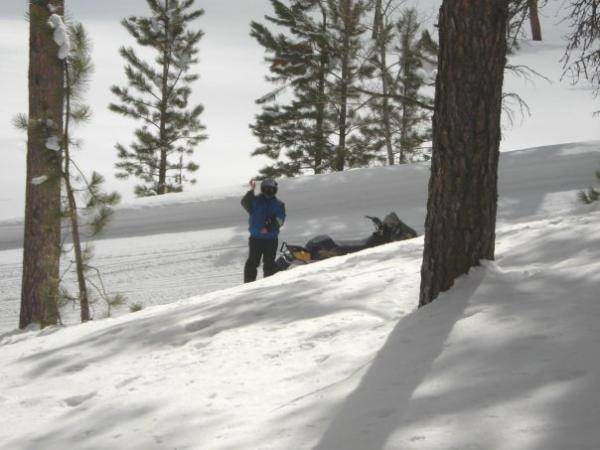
x: 321, y: 247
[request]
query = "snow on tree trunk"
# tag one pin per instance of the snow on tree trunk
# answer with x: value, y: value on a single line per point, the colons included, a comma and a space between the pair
x: 41, y: 245
x: 461, y: 210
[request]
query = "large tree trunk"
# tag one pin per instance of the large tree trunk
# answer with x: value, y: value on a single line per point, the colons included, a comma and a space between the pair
x: 534, y: 20
x: 41, y: 244
x: 461, y: 210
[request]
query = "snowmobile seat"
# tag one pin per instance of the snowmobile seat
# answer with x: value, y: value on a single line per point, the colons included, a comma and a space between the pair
x: 324, y: 246
x: 349, y: 246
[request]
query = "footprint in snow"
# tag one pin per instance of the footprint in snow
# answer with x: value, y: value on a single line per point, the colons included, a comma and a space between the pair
x: 78, y: 399
x: 322, y: 358
x: 126, y: 382
x: 324, y: 335
x: 179, y: 343
x: 198, y: 325
x: 75, y: 368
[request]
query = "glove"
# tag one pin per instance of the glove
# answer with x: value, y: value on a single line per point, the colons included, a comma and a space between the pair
x: 272, y: 224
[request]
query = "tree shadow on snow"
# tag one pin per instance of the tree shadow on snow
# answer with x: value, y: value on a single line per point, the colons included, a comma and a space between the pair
x: 529, y: 378
x: 195, y: 324
x: 124, y: 426
x: 370, y: 414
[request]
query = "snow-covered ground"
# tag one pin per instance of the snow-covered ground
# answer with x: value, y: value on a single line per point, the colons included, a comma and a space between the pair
x: 333, y: 355
x: 158, y: 251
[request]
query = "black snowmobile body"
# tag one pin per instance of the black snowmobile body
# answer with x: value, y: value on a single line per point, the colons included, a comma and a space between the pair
x: 321, y: 247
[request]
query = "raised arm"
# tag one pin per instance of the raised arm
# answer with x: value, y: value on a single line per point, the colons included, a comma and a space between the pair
x: 248, y: 199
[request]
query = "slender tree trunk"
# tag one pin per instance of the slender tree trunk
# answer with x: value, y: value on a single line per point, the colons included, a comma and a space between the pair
x: 79, y: 262
x: 41, y: 243
x: 461, y: 210
x: 162, y: 168
x: 404, y: 121
x: 534, y: 20
x: 387, y: 122
x: 377, y: 20
x: 345, y: 81
x: 403, y: 134
x: 321, y: 102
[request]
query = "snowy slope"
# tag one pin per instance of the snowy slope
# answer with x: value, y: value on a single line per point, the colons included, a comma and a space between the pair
x: 187, y: 245
x: 334, y: 355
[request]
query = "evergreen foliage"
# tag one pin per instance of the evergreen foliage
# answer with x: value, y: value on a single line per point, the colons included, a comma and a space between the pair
x: 582, y: 56
x: 347, y: 29
x: 323, y: 113
x: 296, y: 134
x: 77, y: 187
x: 158, y: 95
x: 400, y: 116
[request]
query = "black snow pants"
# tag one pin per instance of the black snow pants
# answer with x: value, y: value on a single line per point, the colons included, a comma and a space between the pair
x: 265, y: 248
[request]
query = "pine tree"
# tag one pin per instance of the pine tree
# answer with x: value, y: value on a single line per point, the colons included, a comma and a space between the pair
x: 414, y: 53
x: 400, y: 114
x: 158, y: 95
x: 582, y: 56
x: 463, y: 188
x: 41, y: 245
x: 376, y: 129
x: 77, y: 187
x: 295, y: 133
x: 347, y: 30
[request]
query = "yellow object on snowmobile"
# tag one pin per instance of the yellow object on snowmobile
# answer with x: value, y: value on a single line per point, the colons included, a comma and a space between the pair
x: 302, y: 255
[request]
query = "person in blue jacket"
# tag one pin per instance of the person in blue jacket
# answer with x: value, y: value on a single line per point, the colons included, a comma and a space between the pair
x: 267, y: 215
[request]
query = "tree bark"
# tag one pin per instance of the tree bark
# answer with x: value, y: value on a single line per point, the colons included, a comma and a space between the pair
x: 340, y: 158
x: 378, y: 33
x: 534, y: 20
x: 84, y: 303
x: 321, y: 139
x: 41, y: 244
x: 461, y: 210
x: 164, y: 147
x: 404, y: 125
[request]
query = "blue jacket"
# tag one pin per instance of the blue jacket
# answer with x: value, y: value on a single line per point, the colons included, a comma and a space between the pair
x: 262, y: 210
